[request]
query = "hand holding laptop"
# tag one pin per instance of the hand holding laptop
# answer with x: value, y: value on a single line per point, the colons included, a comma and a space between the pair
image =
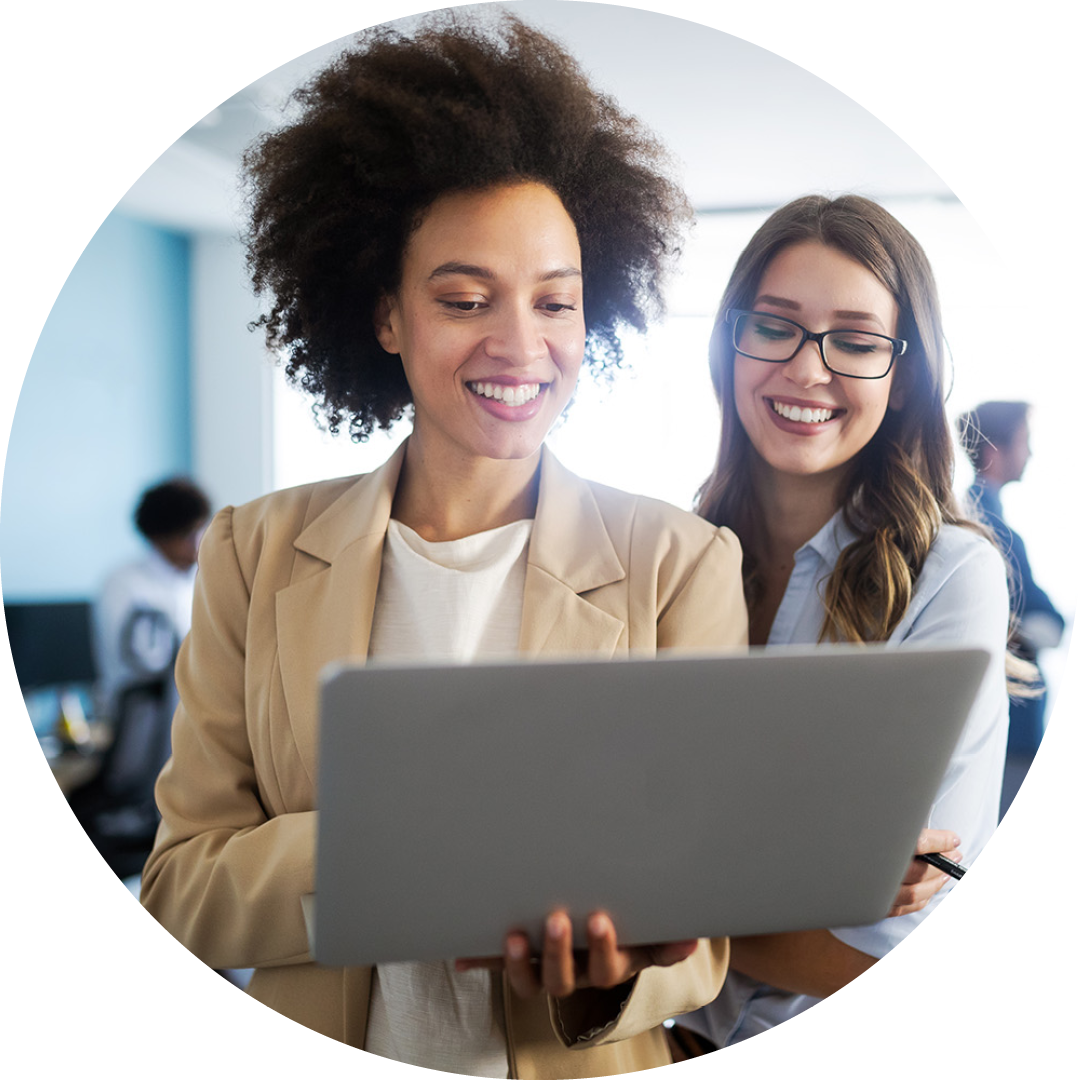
x: 558, y: 970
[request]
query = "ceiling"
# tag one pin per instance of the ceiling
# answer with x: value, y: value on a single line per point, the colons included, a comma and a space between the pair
x: 748, y: 127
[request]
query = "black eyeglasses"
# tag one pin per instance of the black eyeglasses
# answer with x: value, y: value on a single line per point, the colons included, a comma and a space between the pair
x: 855, y: 354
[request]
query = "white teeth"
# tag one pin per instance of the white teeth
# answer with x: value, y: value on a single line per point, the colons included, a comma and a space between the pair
x: 803, y: 416
x: 508, y: 395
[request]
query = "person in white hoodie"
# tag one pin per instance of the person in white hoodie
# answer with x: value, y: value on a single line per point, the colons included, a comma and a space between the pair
x: 144, y: 609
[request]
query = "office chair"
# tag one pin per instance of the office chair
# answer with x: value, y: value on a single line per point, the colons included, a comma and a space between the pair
x: 116, y: 808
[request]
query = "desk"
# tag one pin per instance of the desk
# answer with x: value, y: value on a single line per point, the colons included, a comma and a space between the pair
x: 71, y: 768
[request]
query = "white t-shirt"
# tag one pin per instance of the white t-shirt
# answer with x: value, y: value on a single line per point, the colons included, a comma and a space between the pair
x: 458, y: 600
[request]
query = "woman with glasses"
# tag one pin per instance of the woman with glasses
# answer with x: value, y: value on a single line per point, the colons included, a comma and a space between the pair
x: 835, y: 470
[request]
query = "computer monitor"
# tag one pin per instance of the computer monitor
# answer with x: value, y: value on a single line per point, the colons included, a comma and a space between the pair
x: 51, y: 643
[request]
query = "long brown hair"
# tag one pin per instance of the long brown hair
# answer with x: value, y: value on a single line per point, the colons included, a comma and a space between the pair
x: 899, y: 491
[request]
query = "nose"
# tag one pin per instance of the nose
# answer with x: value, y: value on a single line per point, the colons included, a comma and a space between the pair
x: 807, y: 367
x: 515, y: 335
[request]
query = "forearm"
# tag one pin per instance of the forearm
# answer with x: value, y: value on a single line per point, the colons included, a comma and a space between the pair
x: 810, y: 962
x: 225, y: 876
x: 230, y: 863
x: 232, y: 896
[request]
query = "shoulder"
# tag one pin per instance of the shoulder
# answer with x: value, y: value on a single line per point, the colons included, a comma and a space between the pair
x: 650, y: 520
x: 268, y: 525
x: 963, y: 583
x: 289, y: 509
x: 957, y: 549
x: 691, y: 570
x: 680, y: 568
x: 126, y: 571
x: 129, y: 577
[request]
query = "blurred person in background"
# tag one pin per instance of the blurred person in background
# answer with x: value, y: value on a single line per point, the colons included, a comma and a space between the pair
x: 140, y: 618
x: 144, y: 610
x: 996, y: 436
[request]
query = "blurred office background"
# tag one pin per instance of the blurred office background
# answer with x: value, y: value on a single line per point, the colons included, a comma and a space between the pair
x: 146, y: 367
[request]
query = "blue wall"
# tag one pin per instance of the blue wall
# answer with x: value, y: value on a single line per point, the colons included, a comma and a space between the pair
x: 105, y: 411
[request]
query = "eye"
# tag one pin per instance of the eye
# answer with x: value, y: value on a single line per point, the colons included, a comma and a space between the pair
x: 464, y: 306
x: 770, y: 330
x: 555, y: 306
x: 854, y: 344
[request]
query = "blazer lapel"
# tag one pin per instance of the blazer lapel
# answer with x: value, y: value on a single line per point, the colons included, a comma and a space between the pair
x: 325, y: 614
x: 570, y: 554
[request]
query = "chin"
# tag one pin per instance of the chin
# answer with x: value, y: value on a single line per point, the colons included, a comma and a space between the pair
x: 518, y: 453
x: 515, y: 446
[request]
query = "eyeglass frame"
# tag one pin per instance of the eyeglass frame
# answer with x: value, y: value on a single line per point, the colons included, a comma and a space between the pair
x: 732, y: 316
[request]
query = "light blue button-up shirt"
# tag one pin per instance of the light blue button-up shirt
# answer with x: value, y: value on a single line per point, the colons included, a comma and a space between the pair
x: 961, y: 598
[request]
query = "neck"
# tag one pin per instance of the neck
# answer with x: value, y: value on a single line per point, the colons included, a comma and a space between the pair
x: 179, y: 567
x: 792, y: 510
x: 445, y: 499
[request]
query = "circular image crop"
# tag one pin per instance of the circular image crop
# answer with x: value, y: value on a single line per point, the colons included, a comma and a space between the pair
x: 436, y: 269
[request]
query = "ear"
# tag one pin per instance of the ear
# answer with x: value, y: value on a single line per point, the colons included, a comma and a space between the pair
x: 385, y: 319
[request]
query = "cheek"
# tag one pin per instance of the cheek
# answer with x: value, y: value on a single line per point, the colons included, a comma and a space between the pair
x: 872, y: 408
x: 567, y: 349
x: 431, y: 353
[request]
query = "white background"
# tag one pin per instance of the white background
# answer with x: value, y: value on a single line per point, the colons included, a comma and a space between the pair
x: 985, y: 93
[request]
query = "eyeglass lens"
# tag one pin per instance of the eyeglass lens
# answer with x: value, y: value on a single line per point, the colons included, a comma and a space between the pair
x: 847, y: 352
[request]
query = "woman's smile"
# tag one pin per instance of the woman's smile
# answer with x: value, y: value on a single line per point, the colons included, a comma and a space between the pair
x: 511, y: 396
x: 802, y: 417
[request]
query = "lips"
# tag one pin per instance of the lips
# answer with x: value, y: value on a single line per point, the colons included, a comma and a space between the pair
x: 513, y: 396
x: 803, y: 414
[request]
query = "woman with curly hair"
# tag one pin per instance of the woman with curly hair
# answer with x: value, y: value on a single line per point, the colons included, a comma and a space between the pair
x: 835, y: 470
x: 454, y: 222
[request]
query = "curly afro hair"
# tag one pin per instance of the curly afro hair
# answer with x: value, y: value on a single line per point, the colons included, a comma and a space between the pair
x: 399, y: 120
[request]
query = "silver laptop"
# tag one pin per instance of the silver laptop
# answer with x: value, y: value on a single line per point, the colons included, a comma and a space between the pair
x: 687, y: 797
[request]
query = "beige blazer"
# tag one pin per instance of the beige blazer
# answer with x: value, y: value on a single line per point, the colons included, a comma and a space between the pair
x: 288, y: 583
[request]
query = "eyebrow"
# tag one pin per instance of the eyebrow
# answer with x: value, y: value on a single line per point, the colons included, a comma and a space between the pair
x: 778, y: 301
x: 451, y: 269
x: 792, y: 305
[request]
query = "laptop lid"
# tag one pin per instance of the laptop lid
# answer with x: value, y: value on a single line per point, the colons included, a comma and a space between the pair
x: 782, y: 789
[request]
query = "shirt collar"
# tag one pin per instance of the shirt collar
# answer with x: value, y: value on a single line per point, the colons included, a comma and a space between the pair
x: 830, y: 539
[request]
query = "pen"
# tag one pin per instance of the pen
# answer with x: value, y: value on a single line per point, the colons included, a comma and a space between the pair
x: 952, y: 869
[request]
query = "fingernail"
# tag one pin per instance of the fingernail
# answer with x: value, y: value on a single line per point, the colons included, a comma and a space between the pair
x: 597, y: 925
x: 554, y: 927
x: 516, y: 948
